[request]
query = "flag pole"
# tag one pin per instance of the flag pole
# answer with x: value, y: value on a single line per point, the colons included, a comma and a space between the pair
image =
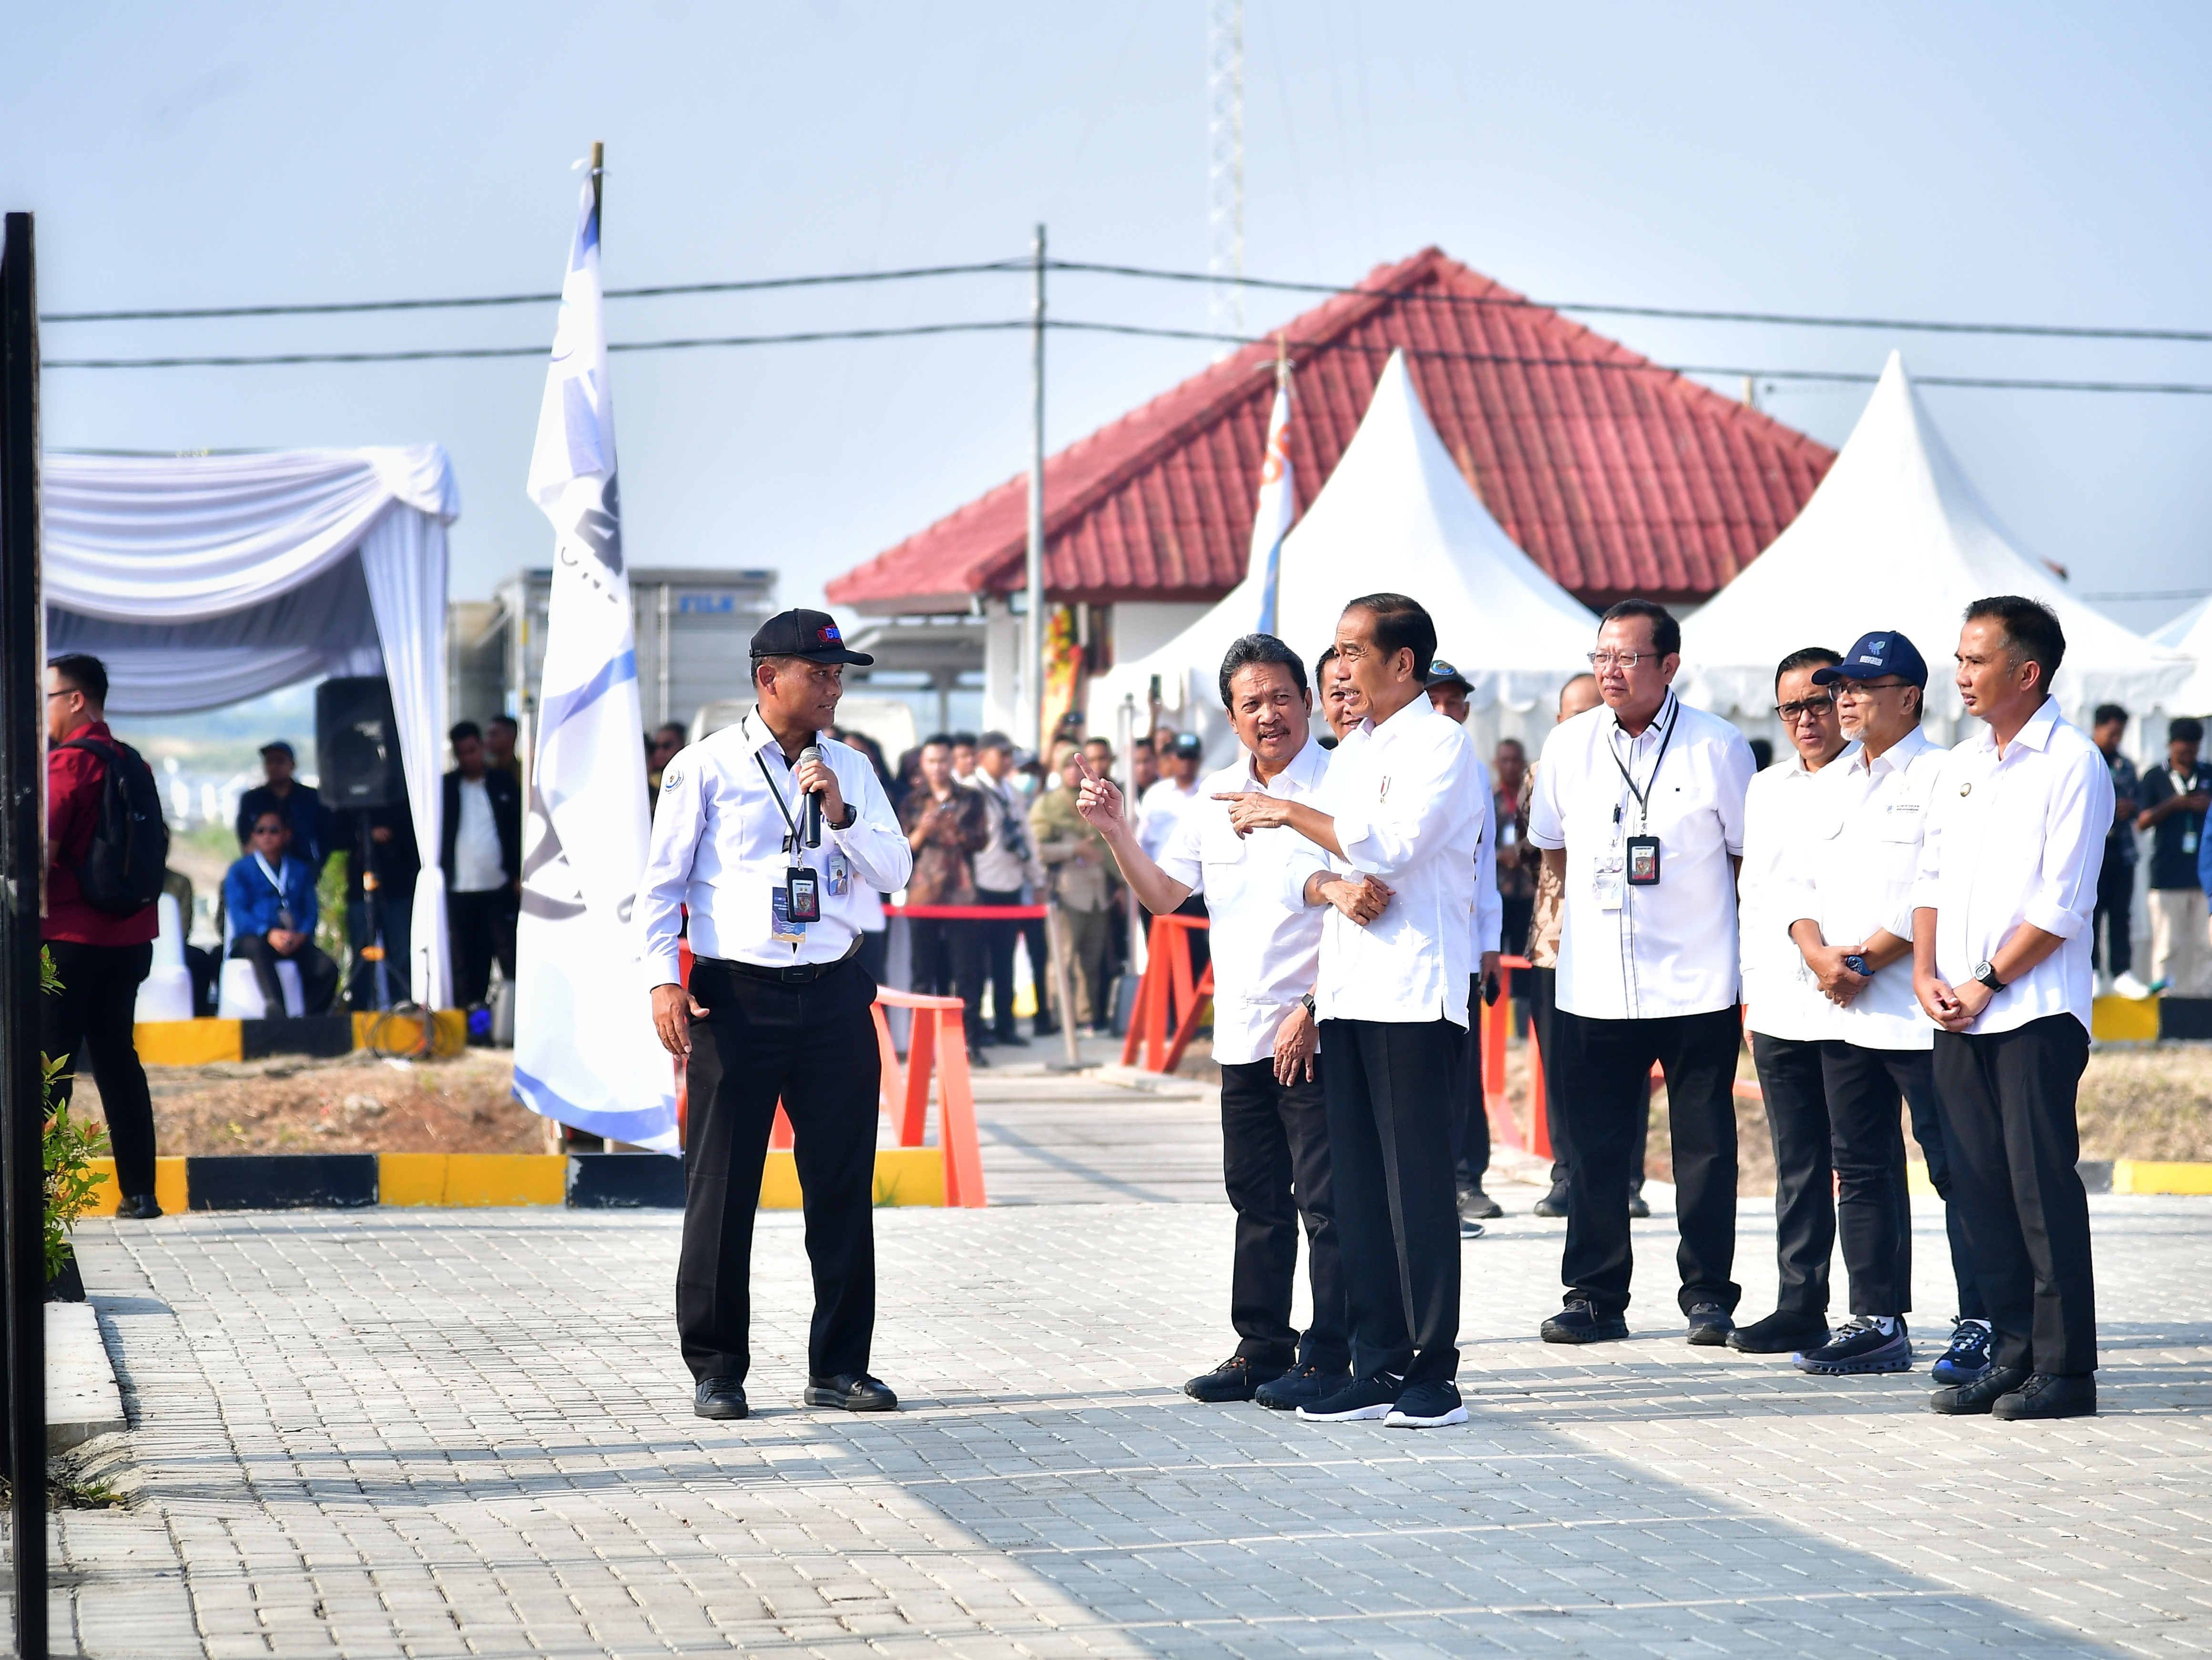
x: 1033, y: 622
x: 599, y: 180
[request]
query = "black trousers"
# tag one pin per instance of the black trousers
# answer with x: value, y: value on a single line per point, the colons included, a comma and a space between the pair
x: 874, y: 955
x: 2113, y: 921
x: 1543, y: 1020
x: 318, y: 975
x: 1471, y: 1134
x: 483, y: 929
x: 1919, y: 1086
x: 2007, y: 1103
x: 998, y: 945
x: 947, y: 959
x: 1606, y: 1067
x: 90, y: 1021
x: 814, y: 1047
x: 1791, y: 1081
x: 1513, y: 932
x: 1389, y: 1086
x: 1031, y: 929
x: 1274, y: 1162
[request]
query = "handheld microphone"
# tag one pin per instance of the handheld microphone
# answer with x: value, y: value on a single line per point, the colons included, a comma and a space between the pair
x: 813, y: 753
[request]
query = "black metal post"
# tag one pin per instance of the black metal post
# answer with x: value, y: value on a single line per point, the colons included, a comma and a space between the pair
x: 22, y: 881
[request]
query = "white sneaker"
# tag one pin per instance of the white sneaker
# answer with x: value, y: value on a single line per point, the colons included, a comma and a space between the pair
x: 2126, y: 985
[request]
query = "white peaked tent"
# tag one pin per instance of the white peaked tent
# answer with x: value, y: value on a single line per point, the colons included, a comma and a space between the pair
x: 1396, y: 515
x: 1896, y: 537
x: 2190, y: 634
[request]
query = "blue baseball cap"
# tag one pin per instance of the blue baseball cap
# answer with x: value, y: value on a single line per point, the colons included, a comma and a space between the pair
x: 1875, y: 655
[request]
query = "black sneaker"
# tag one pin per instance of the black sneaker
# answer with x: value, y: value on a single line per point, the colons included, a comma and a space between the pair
x: 2047, y: 1396
x: 1965, y: 1399
x: 1552, y: 1204
x: 1476, y: 1205
x: 1233, y: 1379
x: 1375, y: 1396
x: 1856, y: 1346
x: 1780, y: 1332
x: 1301, y: 1386
x: 1469, y: 1229
x: 1968, y: 1356
x: 1709, y: 1325
x: 1427, y: 1407
x: 1639, y: 1207
x: 1577, y: 1323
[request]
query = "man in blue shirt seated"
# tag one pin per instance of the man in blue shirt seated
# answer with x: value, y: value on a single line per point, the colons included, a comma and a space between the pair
x: 270, y: 897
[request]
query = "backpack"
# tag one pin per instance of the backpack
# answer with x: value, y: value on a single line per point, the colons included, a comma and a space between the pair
x: 123, y: 869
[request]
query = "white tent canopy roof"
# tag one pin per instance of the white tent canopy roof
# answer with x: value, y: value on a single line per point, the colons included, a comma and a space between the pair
x: 1398, y: 516
x: 1898, y: 537
x: 203, y: 580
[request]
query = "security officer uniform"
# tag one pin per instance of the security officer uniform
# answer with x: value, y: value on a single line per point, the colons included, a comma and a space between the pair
x: 779, y: 1011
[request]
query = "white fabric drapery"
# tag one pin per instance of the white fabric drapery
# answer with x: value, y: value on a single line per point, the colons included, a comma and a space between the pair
x: 203, y: 579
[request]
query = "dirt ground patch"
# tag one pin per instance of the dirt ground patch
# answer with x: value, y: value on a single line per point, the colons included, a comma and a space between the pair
x: 355, y: 1104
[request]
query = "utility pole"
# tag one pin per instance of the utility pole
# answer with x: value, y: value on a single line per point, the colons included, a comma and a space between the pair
x: 22, y: 864
x: 1224, y: 170
x: 1033, y: 622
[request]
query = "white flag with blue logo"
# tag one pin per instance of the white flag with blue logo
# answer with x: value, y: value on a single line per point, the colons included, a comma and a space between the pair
x: 1278, y: 502
x: 585, y: 1052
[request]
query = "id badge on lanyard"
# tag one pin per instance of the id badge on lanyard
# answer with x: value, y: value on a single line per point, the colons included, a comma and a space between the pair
x: 797, y: 900
x: 1635, y: 862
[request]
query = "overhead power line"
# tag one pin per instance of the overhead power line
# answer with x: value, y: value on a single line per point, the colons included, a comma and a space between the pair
x: 668, y: 290
x: 661, y: 292
x: 433, y: 354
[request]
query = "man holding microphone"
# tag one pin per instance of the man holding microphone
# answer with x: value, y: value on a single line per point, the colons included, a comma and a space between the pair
x: 771, y: 839
x: 1274, y: 1124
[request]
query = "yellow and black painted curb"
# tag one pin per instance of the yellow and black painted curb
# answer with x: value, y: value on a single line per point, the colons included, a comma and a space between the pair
x: 584, y: 1181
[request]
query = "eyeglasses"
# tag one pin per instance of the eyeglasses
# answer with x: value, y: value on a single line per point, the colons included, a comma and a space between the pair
x: 1793, y: 713
x: 1626, y: 660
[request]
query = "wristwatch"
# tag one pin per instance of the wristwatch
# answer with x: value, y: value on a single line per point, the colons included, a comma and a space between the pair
x: 1986, y: 972
x: 852, y: 818
x: 1307, y: 1000
x: 1857, y: 964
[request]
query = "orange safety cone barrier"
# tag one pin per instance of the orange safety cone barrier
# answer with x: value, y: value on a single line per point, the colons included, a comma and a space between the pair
x: 1496, y: 1021
x: 939, y: 1036
x: 1166, y: 993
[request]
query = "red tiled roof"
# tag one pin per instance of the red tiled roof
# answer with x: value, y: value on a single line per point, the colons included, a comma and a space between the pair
x: 1617, y: 475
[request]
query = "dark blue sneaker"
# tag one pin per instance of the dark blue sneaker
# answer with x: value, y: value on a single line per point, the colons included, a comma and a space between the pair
x: 1301, y: 1386
x: 1858, y: 1346
x: 1375, y: 1396
x: 1577, y: 1323
x: 1427, y: 1407
x: 1968, y: 1356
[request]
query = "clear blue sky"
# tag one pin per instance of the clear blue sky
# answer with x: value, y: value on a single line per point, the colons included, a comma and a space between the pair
x: 2033, y: 163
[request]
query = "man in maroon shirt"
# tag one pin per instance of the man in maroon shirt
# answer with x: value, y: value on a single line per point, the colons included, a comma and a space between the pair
x: 100, y: 956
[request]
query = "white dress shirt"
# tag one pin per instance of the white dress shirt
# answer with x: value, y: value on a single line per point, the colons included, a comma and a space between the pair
x: 1851, y: 869
x: 1265, y: 951
x: 2013, y: 840
x: 1489, y: 908
x: 477, y: 867
x: 1001, y: 867
x: 718, y: 849
x: 1408, y: 799
x: 1780, y: 996
x: 1649, y: 952
x: 1161, y: 808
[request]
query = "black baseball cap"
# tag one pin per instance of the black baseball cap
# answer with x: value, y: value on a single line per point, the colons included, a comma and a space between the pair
x: 811, y: 634
x: 1186, y: 745
x: 280, y: 747
x: 1442, y: 673
x: 1875, y: 655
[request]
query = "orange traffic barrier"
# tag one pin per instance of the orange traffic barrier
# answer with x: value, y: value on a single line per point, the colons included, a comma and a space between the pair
x: 1497, y: 1020
x: 1167, y: 993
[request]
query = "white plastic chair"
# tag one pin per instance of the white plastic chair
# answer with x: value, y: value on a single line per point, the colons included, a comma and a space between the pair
x: 166, y: 994
x: 238, y: 988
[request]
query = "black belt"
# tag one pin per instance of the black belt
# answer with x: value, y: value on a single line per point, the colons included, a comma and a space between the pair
x: 796, y: 974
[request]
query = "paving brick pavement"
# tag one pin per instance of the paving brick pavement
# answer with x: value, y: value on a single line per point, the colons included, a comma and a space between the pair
x: 468, y: 1434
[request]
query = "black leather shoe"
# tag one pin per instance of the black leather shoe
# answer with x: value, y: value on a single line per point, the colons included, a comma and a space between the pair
x: 853, y: 1391
x: 1233, y: 1379
x: 1981, y: 1394
x: 1476, y: 1205
x: 1639, y: 1207
x: 1577, y: 1323
x: 1780, y: 1332
x: 1012, y: 1040
x: 2046, y: 1394
x: 719, y: 1398
x: 138, y: 1208
x: 1553, y: 1204
x: 1709, y: 1325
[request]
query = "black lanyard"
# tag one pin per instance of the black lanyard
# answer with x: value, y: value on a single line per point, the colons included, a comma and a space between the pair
x: 791, y: 847
x: 1644, y: 796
